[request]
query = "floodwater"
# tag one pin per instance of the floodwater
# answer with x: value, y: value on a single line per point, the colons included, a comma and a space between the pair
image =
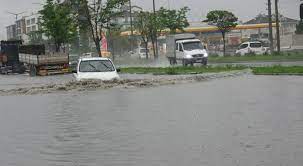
x: 242, y: 121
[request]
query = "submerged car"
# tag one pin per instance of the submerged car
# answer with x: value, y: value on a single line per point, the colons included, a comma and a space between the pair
x: 96, y: 68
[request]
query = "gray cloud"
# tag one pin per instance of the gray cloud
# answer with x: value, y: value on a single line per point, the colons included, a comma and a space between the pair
x: 244, y: 9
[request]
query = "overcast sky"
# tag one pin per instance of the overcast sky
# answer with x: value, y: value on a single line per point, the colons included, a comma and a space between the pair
x: 244, y: 9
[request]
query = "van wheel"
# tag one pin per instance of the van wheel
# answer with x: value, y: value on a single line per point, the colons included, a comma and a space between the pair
x: 33, y: 71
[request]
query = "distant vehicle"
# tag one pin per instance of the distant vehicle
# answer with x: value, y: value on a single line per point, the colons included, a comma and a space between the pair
x: 9, y: 57
x: 42, y: 63
x: 254, y: 47
x: 185, y: 48
x: 96, y: 68
x: 142, y: 52
x: 139, y: 53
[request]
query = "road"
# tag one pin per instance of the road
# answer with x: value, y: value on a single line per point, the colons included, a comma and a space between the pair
x: 246, y: 121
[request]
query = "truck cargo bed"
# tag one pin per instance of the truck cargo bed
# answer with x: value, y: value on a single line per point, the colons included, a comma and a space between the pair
x: 43, y: 59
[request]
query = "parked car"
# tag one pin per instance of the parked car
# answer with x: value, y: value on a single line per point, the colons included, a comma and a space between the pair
x: 139, y: 53
x: 96, y: 68
x: 255, y: 47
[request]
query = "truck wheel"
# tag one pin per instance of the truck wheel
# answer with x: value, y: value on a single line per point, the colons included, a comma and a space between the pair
x: 204, y: 62
x: 184, y: 62
x: 33, y: 71
x: 172, y: 61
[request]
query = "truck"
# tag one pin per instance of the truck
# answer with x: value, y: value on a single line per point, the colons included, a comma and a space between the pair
x: 9, y: 59
x: 186, y: 49
x: 41, y: 62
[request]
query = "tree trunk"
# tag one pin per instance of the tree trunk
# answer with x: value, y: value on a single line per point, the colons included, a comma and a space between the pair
x: 224, y: 47
x: 278, y: 26
x: 153, y: 43
x: 146, y: 49
x: 98, y: 47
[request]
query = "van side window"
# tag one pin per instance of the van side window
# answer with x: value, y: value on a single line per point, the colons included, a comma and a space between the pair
x: 243, y: 46
x: 255, y: 45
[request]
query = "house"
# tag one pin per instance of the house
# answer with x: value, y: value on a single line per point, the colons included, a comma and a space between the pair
x: 287, y: 26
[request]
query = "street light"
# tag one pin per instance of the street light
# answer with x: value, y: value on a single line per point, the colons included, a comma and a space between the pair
x: 16, y: 14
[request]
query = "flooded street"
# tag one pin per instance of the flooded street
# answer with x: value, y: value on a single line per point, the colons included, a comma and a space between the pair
x: 242, y: 121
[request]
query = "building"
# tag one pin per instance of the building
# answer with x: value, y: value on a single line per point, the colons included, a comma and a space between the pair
x: 287, y: 26
x: 11, y: 32
x: 21, y: 28
x: 31, y: 23
x: 124, y: 20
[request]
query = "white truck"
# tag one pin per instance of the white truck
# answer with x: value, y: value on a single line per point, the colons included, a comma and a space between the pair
x: 185, y: 48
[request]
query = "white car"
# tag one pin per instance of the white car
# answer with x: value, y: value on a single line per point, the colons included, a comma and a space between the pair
x: 96, y: 68
x: 139, y: 53
x: 251, y: 47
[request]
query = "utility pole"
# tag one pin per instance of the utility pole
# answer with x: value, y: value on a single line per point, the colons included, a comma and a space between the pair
x: 156, y: 36
x: 277, y: 26
x: 271, y: 42
x: 131, y: 25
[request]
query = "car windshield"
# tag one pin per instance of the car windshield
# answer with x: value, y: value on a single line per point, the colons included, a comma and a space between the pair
x: 96, y: 66
x: 188, y: 46
x: 143, y: 50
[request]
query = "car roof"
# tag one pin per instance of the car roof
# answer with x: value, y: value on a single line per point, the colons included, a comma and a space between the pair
x: 93, y: 58
x: 188, y: 40
x: 252, y: 42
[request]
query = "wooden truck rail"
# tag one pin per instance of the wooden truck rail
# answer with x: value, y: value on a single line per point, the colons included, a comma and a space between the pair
x: 43, y: 59
x: 45, y: 64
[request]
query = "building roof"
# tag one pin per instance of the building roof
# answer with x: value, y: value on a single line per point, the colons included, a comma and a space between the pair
x: 263, y: 18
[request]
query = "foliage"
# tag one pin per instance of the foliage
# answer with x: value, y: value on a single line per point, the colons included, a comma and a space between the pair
x: 57, y: 23
x: 299, y: 28
x: 180, y: 70
x: 98, y: 15
x: 173, y: 19
x: 223, y: 20
x: 35, y: 37
x: 278, y: 70
x: 144, y: 25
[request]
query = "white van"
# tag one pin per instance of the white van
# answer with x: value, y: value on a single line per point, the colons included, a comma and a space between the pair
x: 251, y: 47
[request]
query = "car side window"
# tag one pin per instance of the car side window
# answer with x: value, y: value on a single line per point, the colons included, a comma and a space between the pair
x: 243, y: 46
x: 255, y: 45
x: 177, y: 46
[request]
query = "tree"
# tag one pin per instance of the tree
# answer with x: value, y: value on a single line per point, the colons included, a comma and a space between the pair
x: 57, y: 23
x: 299, y: 28
x: 223, y: 20
x: 35, y: 37
x: 98, y: 15
x: 142, y: 25
x: 173, y: 19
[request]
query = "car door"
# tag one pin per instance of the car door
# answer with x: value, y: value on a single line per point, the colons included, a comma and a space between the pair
x: 256, y: 47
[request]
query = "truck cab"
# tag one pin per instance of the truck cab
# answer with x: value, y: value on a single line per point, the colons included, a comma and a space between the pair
x: 187, y: 49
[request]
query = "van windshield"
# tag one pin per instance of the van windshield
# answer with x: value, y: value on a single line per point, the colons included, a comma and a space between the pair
x: 189, y: 46
x: 96, y: 66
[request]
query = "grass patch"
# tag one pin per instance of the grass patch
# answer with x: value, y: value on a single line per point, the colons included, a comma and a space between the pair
x: 180, y: 70
x: 258, y: 58
x: 278, y: 70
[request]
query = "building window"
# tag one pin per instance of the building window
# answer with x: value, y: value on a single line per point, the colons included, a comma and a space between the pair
x: 33, y: 21
x: 34, y: 28
x: 28, y: 22
x: 28, y: 29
